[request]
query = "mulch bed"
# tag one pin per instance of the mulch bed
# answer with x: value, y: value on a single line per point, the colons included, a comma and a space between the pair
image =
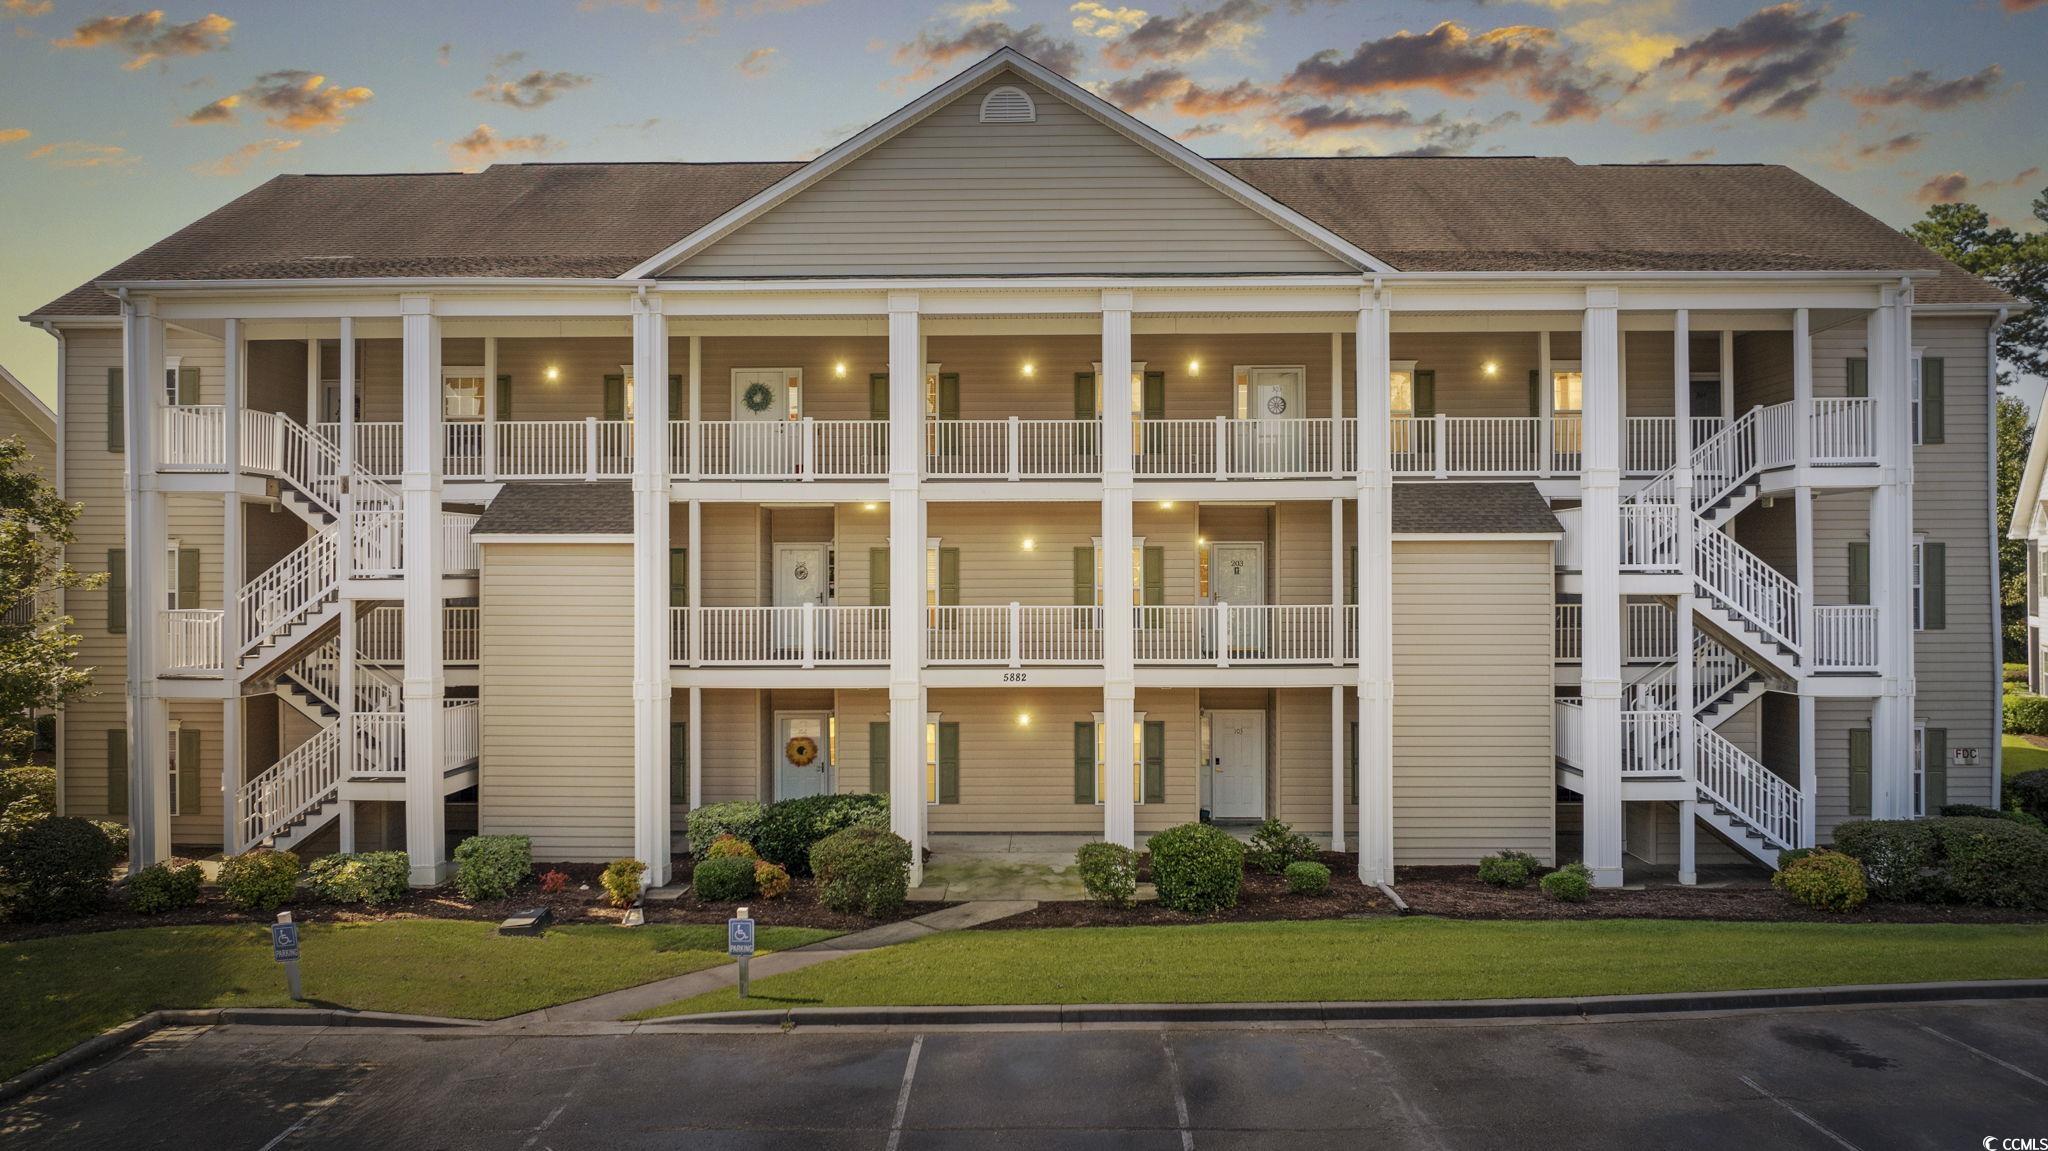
x: 1262, y: 897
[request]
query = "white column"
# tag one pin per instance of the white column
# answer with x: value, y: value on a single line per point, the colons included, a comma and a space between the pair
x: 1119, y: 617
x: 1809, y: 769
x: 490, y: 444
x: 1891, y: 556
x: 1375, y: 591
x: 1600, y: 661
x: 345, y: 649
x: 1688, y: 838
x: 1546, y: 399
x: 1682, y: 486
x: 345, y: 443
x: 652, y: 695
x: 693, y: 559
x: 149, y: 721
x: 234, y: 365
x: 425, y: 814
x: 1337, y: 767
x: 1802, y: 389
x: 312, y: 382
x: 696, y: 405
x: 231, y: 771
x: 1337, y: 631
x: 696, y: 735
x: 1727, y: 374
x: 906, y: 580
x: 1336, y: 405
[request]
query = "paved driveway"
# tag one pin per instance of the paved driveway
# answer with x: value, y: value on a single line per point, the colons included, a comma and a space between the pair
x: 1935, y: 1077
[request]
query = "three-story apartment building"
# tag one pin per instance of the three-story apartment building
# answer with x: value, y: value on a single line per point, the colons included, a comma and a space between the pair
x: 1013, y: 461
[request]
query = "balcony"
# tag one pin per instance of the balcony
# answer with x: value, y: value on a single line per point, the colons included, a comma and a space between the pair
x: 808, y: 635
x: 1845, y: 638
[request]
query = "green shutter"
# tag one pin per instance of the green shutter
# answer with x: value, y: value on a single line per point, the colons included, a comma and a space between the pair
x: 1859, y: 771
x: 1934, y: 750
x: 878, y: 577
x: 1933, y: 389
x: 615, y: 397
x: 949, y: 395
x: 188, y: 386
x: 1155, y: 395
x: 117, y: 771
x: 878, y: 396
x: 1859, y: 571
x: 117, y: 591
x: 1084, y: 763
x: 1084, y: 577
x: 1425, y: 394
x: 949, y: 576
x: 117, y: 402
x: 1535, y: 392
x: 1351, y: 589
x: 679, y: 577
x: 675, y: 398
x: 1351, y: 762
x: 878, y: 758
x: 1933, y: 586
x: 1155, y: 576
x: 1859, y: 377
x: 188, y: 771
x: 504, y: 397
x: 1155, y: 761
x: 188, y: 577
x: 679, y: 764
x: 949, y: 763
x: 1084, y: 399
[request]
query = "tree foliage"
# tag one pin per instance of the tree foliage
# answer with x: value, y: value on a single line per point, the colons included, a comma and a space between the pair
x: 36, y: 644
x: 2015, y: 261
x: 2012, y: 554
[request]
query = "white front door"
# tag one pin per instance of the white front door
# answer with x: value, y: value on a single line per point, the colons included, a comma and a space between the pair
x: 1237, y: 769
x: 799, y: 579
x: 1237, y: 576
x: 800, y: 738
x: 765, y: 405
x: 1279, y: 402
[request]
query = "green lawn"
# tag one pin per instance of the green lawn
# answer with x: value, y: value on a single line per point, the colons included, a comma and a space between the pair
x: 2022, y: 756
x: 64, y: 990
x: 1416, y: 958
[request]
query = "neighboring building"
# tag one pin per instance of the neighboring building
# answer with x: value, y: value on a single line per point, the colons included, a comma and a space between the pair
x: 631, y: 487
x: 24, y: 414
x: 2030, y: 523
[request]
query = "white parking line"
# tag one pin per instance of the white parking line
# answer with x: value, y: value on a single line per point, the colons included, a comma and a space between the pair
x: 1180, y: 1097
x: 2020, y: 1071
x: 312, y: 1111
x: 1802, y: 1116
x: 903, y: 1096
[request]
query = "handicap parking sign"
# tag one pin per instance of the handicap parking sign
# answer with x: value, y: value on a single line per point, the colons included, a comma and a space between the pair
x: 284, y: 941
x: 739, y: 937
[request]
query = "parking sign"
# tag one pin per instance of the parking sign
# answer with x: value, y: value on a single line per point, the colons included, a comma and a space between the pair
x: 739, y: 937
x: 284, y: 942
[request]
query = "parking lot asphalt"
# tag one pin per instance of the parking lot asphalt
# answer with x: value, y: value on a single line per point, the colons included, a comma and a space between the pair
x: 1946, y: 1076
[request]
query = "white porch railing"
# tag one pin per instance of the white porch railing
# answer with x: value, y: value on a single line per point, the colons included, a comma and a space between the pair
x: 380, y: 634
x: 1650, y: 742
x: 378, y: 542
x: 465, y: 451
x: 807, y: 635
x: 1015, y: 634
x: 1228, y: 635
x: 1649, y: 537
x: 192, y: 642
x: 194, y: 437
x: 459, y: 553
x: 1774, y: 436
x: 1715, y: 669
x: 586, y: 449
x: 460, y: 732
x: 1844, y: 637
x: 379, y: 743
x: 1571, y: 636
x: 1751, y: 792
x: 1013, y: 449
x: 1844, y: 430
x: 288, y: 591
x: 1744, y: 584
x: 291, y: 787
x: 1652, y: 632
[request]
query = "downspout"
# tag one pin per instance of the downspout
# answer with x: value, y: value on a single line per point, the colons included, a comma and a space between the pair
x: 1997, y: 580
x: 63, y: 355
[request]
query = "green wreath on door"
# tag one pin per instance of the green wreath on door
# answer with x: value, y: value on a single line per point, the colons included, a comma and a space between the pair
x: 757, y: 397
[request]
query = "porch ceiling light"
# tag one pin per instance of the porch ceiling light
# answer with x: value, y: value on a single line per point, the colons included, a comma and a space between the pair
x: 552, y: 373
x: 1165, y: 505
x: 1490, y: 367
x: 869, y: 507
x: 1030, y: 544
x: 1030, y: 369
x: 1023, y: 719
x: 839, y: 369
x: 1194, y: 367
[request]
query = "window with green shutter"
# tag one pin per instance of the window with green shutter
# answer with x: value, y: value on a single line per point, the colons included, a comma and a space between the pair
x: 187, y: 769
x: 188, y: 578
x: 1155, y: 576
x: 1351, y: 763
x: 949, y: 762
x: 1084, y: 763
x: 679, y: 764
x: 615, y: 397
x: 1932, y: 421
x: 117, y: 591
x: 117, y: 403
x: 679, y: 577
x: 188, y: 385
x: 1084, y: 396
x: 1859, y: 771
x: 1155, y: 761
x: 949, y: 395
x: 677, y: 405
x: 1859, y: 572
x: 1931, y: 582
x: 1425, y: 394
x: 878, y: 396
x: 1933, y: 770
x: 1084, y: 577
x: 504, y: 397
x: 1858, y: 377
x: 117, y: 771
x: 878, y: 758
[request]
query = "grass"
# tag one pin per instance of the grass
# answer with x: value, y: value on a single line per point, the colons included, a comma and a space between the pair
x: 2022, y: 756
x: 63, y: 990
x: 1414, y: 958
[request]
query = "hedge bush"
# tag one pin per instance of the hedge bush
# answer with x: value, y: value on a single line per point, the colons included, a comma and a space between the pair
x: 707, y: 824
x: 621, y: 881
x: 1993, y: 862
x: 491, y: 866
x: 1307, y: 877
x: 1109, y: 871
x: 54, y: 867
x: 1198, y: 868
x: 259, y: 880
x: 372, y: 878
x: 789, y: 828
x: 771, y: 880
x: 2026, y: 714
x: 1900, y: 857
x: 1509, y: 868
x: 28, y: 781
x: 1791, y: 855
x: 2028, y: 792
x: 1572, y: 883
x: 724, y: 879
x: 731, y: 847
x: 160, y: 887
x: 1827, y: 880
x: 1976, y: 811
x: 862, y: 869
x: 1275, y: 845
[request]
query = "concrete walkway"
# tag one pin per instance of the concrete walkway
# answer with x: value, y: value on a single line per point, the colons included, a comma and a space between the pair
x: 632, y: 1000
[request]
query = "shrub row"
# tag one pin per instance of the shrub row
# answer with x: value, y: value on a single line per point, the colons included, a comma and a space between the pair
x: 784, y: 832
x: 1963, y: 859
x: 2026, y: 714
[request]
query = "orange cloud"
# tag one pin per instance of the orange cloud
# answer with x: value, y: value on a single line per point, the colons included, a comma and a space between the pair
x: 147, y: 39
x: 14, y: 135
x: 79, y: 154
x: 238, y: 161
x: 485, y: 145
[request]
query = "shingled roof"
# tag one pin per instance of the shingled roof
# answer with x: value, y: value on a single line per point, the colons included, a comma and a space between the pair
x: 1445, y: 214
x: 575, y: 508
x: 1472, y: 509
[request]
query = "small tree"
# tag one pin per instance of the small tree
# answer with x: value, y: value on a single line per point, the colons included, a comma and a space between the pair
x: 36, y: 644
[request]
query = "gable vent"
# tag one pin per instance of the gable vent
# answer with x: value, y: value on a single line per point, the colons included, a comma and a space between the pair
x: 1007, y: 105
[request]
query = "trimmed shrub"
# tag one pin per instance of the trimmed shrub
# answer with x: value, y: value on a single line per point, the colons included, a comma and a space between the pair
x: 791, y: 827
x: 1899, y: 857
x: 372, y: 878
x: 159, y: 888
x: 491, y: 866
x: 1509, y: 868
x: 34, y: 805
x: 1307, y: 877
x: 1275, y: 845
x: 28, y: 781
x: 731, y: 847
x: 553, y: 882
x: 724, y: 879
x: 1827, y: 880
x: 1792, y: 855
x: 2026, y: 714
x: 1572, y: 883
x: 260, y: 880
x: 1974, y: 811
x: 707, y: 824
x: 1993, y: 862
x: 1198, y: 868
x: 2028, y: 792
x: 771, y: 880
x: 862, y: 869
x: 54, y: 867
x: 621, y: 880
x: 1109, y: 871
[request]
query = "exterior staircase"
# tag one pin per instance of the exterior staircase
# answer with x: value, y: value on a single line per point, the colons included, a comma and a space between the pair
x: 301, y: 792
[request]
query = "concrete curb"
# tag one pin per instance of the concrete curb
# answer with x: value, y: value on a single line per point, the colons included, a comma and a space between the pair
x: 144, y: 1026
x: 1323, y: 1013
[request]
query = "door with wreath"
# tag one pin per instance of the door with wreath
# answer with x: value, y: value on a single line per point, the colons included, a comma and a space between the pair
x: 800, y: 762
x: 766, y: 406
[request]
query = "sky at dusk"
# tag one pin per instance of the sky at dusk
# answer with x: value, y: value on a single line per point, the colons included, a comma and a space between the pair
x: 120, y: 124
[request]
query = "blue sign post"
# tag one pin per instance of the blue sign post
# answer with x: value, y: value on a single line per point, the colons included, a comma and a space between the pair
x: 739, y: 943
x: 284, y: 948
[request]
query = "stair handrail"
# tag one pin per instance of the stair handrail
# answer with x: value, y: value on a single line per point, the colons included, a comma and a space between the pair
x: 318, y: 671
x: 1715, y: 669
x: 377, y: 690
x: 1657, y: 690
x: 1753, y: 794
x: 1720, y: 464
x: 291, y: 787
x: 288, y: 590
x: 1740, y: 581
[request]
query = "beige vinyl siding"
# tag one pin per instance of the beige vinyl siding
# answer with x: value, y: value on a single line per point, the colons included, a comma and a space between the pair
x: 557, y: 689
x: 1472, y: 640
x: 1763, y: 369
x: 733, y: 746
x: 1300, y: 742
x: 1458, y: 358
x: 1646, y: 373
x: 580, y: 363
x: 995, y: 568
x: 1063, y: 194
x: 826, y: 394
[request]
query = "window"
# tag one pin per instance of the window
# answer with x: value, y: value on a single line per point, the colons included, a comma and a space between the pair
x: 171, y: 575
x: 171, y: 364
x: 1567, y: 386
x: 1919, y: 771
x: 931, y: 582
x: 1137, y: 758
x: 931, y: 760
x: 1917, y: 358
x: 1919, y: 582
x: 1401, y: 388
x: 177, y: 730
x: 1202, y: 570
x: 1137, y: 570
x: 462, y: 393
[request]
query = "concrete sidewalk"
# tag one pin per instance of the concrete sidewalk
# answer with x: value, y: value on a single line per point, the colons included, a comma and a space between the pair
x: 632, y: 1000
